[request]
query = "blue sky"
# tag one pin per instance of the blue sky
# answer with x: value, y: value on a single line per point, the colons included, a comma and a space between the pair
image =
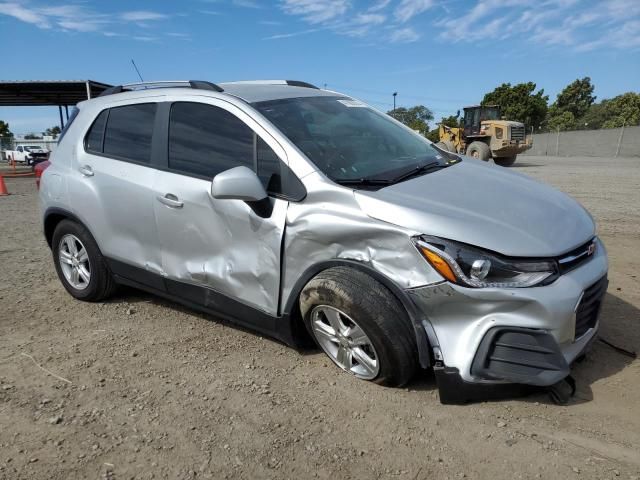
x: 440, y: 53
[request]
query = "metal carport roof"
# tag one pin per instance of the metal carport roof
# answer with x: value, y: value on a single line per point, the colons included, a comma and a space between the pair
x: 57, y: 93
x: 42, y: 93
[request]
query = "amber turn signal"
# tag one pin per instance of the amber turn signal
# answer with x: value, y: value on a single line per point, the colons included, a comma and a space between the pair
x: 439, y: 264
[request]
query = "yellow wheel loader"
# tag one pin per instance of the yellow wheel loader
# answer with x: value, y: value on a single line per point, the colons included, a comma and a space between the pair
x: 485, y: 135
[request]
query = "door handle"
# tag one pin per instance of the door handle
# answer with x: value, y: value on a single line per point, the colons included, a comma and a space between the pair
x: 86, y: 170
x: 170, y: 200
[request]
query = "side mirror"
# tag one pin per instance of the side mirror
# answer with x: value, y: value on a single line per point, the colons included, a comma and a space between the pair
x: 238, y: 183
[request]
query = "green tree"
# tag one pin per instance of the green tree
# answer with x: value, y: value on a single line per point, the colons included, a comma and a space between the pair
x: 562, y: 121
x: 434, y: 135
x: 622, y: 110
x: 595, y: 116
x: 520, y: 103
x: 32, y: 136
x: 6, y: 136
x: 4, y: 129
x: 451, y: 121
x: 416, y: 118
x: 576, y: 98
x: 53, y: 131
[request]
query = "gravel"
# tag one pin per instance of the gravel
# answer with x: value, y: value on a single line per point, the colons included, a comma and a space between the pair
x: 160, y: 391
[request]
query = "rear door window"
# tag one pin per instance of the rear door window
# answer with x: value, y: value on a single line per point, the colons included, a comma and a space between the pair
x: 129, y: 132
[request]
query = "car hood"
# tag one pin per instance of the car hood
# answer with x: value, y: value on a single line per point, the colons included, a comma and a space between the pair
x: 487, y: 206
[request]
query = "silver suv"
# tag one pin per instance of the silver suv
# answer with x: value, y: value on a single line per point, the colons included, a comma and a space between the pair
x: 298, y: 211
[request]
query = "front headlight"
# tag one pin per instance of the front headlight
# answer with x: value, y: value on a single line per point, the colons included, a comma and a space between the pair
x: 473, y: 267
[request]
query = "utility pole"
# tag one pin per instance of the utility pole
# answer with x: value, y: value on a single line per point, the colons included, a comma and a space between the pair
x: 394, y: 100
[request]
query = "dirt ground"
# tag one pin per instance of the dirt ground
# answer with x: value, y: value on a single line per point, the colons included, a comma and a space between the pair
x: 149, y: 389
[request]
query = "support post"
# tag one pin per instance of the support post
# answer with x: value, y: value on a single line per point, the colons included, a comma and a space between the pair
x: 88, y: 90
x: 66, y: 111
x: 558, y: 143
x: 61, y: 120
x: 624, y: 122
x: 546, y: 148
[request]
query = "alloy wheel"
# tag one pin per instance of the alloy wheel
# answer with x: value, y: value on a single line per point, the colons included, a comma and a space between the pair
x: 74, y: 262
x: 345, y: 342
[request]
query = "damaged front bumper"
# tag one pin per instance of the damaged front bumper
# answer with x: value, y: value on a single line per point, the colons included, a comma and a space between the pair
x: 489, y: 336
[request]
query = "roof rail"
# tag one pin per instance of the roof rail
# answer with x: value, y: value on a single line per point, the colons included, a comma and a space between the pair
x: 197, y: 84
x: 291, y: 83
x: 299, y: 83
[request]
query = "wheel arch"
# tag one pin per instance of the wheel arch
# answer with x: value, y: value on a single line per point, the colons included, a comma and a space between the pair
x: 53, y: 216
x: 424, y: 336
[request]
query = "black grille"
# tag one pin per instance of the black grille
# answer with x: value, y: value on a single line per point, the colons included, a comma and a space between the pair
x: 517, y: 133
x: 577, y: 257
x: 589, y: 307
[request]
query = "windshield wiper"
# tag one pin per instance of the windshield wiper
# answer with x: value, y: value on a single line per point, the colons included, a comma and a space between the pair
x: 417, y: 170
x: 363, y: 181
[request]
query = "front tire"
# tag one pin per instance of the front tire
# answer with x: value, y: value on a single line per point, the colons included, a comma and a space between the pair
x: 79, y: 263
x: 360, y: 325
x: 479, y: 150
x: 505, y: 161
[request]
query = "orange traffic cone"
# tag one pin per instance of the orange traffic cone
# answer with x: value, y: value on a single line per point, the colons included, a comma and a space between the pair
x: 3, y: 187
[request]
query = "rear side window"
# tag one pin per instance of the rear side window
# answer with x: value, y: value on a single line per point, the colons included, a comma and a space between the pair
x: 93, y: 140
x: 205, y: 140
x: 129, y: 132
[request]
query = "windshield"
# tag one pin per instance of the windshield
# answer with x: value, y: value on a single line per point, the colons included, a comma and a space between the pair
x: 491, y: 113
x: 347, y: 140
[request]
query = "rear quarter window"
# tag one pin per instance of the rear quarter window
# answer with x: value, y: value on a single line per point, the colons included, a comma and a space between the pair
x: 94, y: 139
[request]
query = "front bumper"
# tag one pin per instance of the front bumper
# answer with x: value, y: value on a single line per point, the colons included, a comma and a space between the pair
x: 507, y: 148
x: 462, y: 320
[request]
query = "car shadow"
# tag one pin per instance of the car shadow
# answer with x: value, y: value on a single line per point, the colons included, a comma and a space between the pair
x: 619, y: 326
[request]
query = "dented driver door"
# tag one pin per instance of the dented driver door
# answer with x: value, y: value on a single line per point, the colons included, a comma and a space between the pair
x: 212, y: 246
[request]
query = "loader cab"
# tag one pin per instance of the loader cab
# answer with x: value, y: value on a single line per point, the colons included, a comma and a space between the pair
x: 473, y: 116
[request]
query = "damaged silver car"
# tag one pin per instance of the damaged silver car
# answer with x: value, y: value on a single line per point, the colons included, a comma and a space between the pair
x: 303, y: 212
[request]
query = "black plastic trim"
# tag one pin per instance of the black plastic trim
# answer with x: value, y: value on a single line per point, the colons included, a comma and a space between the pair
x: 453, y: 390
x: 206, y: 300
x: 111, y: 91
x: 195, y: 84
x: 519, y: 355
x: 62, y: 213
x: 299, y: 83
x: 204, y: 85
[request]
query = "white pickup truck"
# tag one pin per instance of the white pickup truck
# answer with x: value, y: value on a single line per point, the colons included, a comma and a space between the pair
x: 29, y: 154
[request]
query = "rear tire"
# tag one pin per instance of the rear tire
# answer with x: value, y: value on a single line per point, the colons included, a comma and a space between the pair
x: 87, y: 277
x: 479, y: 150
x: 505, y: 161
x: 361, y: 304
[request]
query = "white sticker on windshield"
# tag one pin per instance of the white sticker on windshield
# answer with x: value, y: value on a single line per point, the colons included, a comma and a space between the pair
x: 352, y: 103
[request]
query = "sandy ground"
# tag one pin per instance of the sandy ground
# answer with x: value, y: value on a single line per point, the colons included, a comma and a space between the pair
x: 149, y: 389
